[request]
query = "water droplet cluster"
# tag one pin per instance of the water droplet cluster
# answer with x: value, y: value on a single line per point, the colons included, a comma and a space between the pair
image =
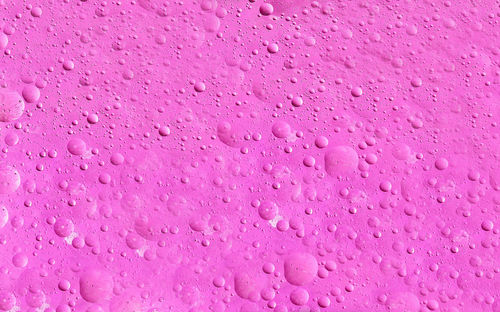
x: 249, y: 155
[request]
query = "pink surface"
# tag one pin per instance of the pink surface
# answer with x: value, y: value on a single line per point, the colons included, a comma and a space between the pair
x: 244, y: 156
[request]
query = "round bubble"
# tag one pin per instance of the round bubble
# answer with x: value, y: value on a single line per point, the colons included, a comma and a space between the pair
x: 7, y: 300
x: 281, y: 129
x: 300, y: 268
x: 63, y: 227
x: 31, y: 93
x: 244, y: 285
x: 403, y: 302
x: 341, y: 160
x: 268, y: 210
x: 299, y: 296
x: 11, y: 105
x: 9, y: 179
x: 96, y: 285
x: 76, y: 146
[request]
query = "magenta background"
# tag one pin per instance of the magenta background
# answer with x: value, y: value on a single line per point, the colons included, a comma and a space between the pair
x: 167, y: 133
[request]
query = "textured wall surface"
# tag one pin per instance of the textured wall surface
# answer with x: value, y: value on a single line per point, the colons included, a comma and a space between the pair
x: 248, y: 156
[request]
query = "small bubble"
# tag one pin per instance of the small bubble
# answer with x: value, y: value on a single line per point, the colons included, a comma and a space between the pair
x: 266, y: 9
x: 31, y: 94
x: 77, y: 146
x: 356, y: 92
